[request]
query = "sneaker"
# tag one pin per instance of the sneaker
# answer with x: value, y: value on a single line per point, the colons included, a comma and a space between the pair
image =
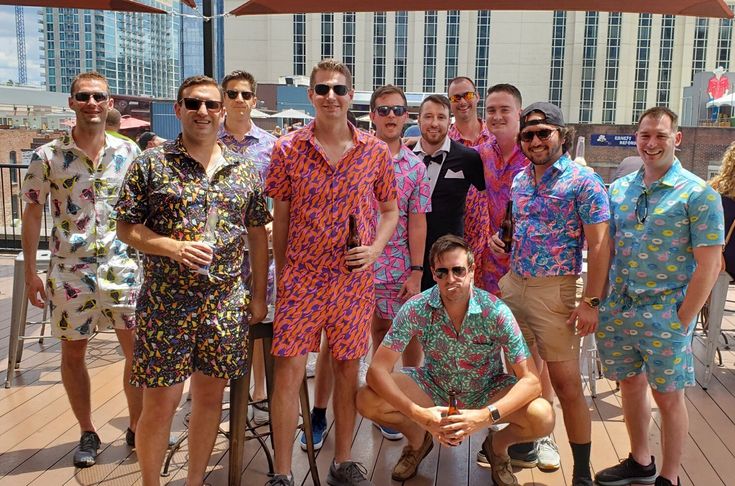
x: 408, y: 465
x: 662, y: 481
x: 582, y: 481
x: 502, y: 471
x: 388, y: 433
x: 260, y: 417
x: 251, y: 413
x: 547, y: 453
x: 521, y: 455
x: 86, y: 454
x: 627, y: 472
x: 318, y: 431
x: 348, y: 473
x: 130, y: 439
x: 280, y: 480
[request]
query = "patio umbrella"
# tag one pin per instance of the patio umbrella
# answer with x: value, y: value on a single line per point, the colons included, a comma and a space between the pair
x: 701, y: 8
x: 293, y: 114
x: 728, y: 99
x: 256, y: 113
x: 120, y: 5
x: 128, y: 121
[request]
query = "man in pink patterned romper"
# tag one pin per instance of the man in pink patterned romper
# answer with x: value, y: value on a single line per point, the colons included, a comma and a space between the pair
x: 318, y: 177
x: 471, y: 131
x: 399, y: 268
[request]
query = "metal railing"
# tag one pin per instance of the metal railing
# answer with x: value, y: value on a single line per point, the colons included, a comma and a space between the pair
x: 11, y: 210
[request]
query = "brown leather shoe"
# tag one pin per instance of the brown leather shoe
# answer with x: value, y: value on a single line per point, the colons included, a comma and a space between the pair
x: 408, y: 465
x: 502, y: 471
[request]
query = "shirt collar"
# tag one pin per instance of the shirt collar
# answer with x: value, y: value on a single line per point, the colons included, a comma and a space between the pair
x: 418, y: 149
x: 484, y: 137
x: 358, y: 136
x: 435, y: 300
x: 255, y: 132
x: 67, y: 142
x: 176, y: 147
x: 668, y: 179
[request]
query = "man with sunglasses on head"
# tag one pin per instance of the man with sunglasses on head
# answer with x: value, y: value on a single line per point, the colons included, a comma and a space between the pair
x: 91, y: 283
x: 557, y: 206
x: 320, y: 176
x: 452, y: 169
x: 187, y: 205
x: 668, y: 231
x: 462, y: 330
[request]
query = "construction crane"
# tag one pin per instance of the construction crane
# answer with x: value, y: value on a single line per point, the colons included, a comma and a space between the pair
x: 20, y: 34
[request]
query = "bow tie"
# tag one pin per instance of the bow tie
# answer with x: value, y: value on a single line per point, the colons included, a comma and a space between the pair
x: 438, y: 158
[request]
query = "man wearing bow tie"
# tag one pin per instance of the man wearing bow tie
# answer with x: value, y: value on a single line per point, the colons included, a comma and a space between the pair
x: 452, y: 169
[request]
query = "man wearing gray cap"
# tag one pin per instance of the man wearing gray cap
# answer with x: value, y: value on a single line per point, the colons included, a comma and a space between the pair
x: 557, y: 204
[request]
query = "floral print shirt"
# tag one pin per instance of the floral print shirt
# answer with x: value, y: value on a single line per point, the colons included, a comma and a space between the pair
x: 257, y: 146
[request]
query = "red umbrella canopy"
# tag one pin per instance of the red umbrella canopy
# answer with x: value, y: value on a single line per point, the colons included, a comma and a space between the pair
x: 128, y: 121
x: 702, y: 8
x: 120, y: 5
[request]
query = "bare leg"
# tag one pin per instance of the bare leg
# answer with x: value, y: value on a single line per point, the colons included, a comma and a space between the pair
x: 567, y: 382
x: 206, y: 413
x: 154, y: 427
x: 259, y: 392
x: 75, y: 378
x: 637, y: 413
x: 378, y: 331
x: 674, y: 431
x: 289, y: 373
x: 345, y: 373
x: 324, y: 378
x: 133, y: 394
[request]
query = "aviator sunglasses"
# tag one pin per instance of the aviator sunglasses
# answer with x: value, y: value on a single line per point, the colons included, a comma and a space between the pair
x: 385, y: 110
x: 468, y: 96
x: 246, y: 95
x: 84, y: 96
x: 323, y: 89
x: 442, y: 272
x: 193, y: 104
x: 542, y: 134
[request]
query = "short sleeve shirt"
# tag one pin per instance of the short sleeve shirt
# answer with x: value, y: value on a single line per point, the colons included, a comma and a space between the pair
x: 466, y: 360
x: 168, y: 191
x: 414, y: 196
x: 322, y: 197
x: 484, y: 137
x: 718, y: 87
x: 257, y: 146
x: 655, y: 256
x: 82, y: 196
x: 549, y: 218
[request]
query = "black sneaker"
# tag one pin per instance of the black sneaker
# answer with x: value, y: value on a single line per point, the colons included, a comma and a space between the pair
x: 582, y: 481
x: 280, y: 480
x: 130, y: 439
x: 662, y: 481
x: 627, y: 472
x: 521, y: 455
x: 86, y: 454
x: 348, y: 473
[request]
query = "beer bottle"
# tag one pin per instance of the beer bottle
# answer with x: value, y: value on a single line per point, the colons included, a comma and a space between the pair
x: 353, y: 238
x: 506, y: 227
x: 452, y: 409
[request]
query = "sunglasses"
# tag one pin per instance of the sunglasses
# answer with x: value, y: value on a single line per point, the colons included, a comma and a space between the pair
x: 641, y: 208
x: 246, y: 95
x: 397, y: 110
x: 442, y: 272
x: 469, y: 96
x: 84, y: 96
x: 323, y: 89
x: 193, y: 104
x: 543, y: 134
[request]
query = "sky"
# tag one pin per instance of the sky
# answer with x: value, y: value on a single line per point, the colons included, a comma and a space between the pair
x: 9, y: 46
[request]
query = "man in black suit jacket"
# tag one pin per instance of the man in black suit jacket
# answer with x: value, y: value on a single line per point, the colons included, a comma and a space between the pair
x: 452, y: 168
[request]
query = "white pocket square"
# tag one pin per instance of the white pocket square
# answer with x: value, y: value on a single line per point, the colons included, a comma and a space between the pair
x: 454, y: 175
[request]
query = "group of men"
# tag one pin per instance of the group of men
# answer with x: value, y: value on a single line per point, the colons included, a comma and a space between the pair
x: 412, y: 282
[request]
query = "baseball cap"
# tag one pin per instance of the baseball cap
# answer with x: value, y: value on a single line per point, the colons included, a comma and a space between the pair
x: 551, y: 112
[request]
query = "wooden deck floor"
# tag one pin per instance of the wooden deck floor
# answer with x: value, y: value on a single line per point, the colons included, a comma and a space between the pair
x: 39, y: 433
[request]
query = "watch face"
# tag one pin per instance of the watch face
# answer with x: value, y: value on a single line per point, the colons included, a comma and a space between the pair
x: 593, y: 301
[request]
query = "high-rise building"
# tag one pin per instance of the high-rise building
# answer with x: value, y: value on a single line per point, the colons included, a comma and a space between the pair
x: 600, y: 67
x: 140, y: 54
x: 192, y: 41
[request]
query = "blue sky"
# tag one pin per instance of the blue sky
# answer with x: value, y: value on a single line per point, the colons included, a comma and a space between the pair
x: 9, y: 46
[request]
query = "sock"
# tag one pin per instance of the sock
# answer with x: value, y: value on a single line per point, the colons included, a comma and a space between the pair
x: 318, y: 414
x: 581, y: 454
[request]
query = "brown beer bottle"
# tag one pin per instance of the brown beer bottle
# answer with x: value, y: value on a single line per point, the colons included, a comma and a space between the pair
x: 506, y: 227
x: 452, y: 409
x: 353, y: 238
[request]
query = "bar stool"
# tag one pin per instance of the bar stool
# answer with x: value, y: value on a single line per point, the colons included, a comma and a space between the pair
x: 19, y: 312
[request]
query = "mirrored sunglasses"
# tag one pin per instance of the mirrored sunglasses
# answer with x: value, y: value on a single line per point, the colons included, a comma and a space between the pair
x: 469, y: 96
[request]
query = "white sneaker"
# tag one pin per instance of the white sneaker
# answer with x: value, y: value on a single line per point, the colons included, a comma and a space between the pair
x: 548, y: 454
x: 260, y: 417
x: 251, y: 413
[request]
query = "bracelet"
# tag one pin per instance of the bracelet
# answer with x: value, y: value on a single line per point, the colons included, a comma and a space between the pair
x: 418, y: 268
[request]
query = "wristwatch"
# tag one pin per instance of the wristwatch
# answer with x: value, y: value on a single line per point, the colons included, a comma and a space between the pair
x: 494, y: 413
x: 418, y: 268
x: 593, y: 302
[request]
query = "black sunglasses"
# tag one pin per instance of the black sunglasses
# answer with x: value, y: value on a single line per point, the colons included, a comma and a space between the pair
x: 323, y: 89
x: 641, y: 208
x: 442, y: 272
x: 193, y: 104
x: 246, y: 95
x: 397, y: 110
x: 84, y: 96
x: 542, y: 134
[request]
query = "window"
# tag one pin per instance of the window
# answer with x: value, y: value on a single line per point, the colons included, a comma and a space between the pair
x: 401, y: 50
x: 299, y: 44
x: 348, y: 41
x: 724, y: 42
x: 482, y: 56
x: 430, y: 27
x: 612, y: 67
x: 643, y: 54
x: 379, y: 28
x: 452, y: 48
x: 666, y: 52
x: 327, y: 35
x: 558, y: 43
x: 589, y: 62
x: 699, y: 53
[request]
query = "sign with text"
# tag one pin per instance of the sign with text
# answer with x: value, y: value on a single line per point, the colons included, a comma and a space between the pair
x: 608, y: 140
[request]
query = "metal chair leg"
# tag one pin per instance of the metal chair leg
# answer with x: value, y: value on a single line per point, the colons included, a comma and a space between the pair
x: 306, y: 414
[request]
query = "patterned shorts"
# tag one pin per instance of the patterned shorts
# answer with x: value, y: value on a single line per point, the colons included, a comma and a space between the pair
x: 387, y: 302
x: 632, y: 339
x: 340, y: 304
x: 82, y: 300
x: 474, y: 399
x: 180, y: 332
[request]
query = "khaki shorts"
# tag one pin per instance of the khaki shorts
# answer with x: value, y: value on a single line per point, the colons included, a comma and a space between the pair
x: 542, y: 305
